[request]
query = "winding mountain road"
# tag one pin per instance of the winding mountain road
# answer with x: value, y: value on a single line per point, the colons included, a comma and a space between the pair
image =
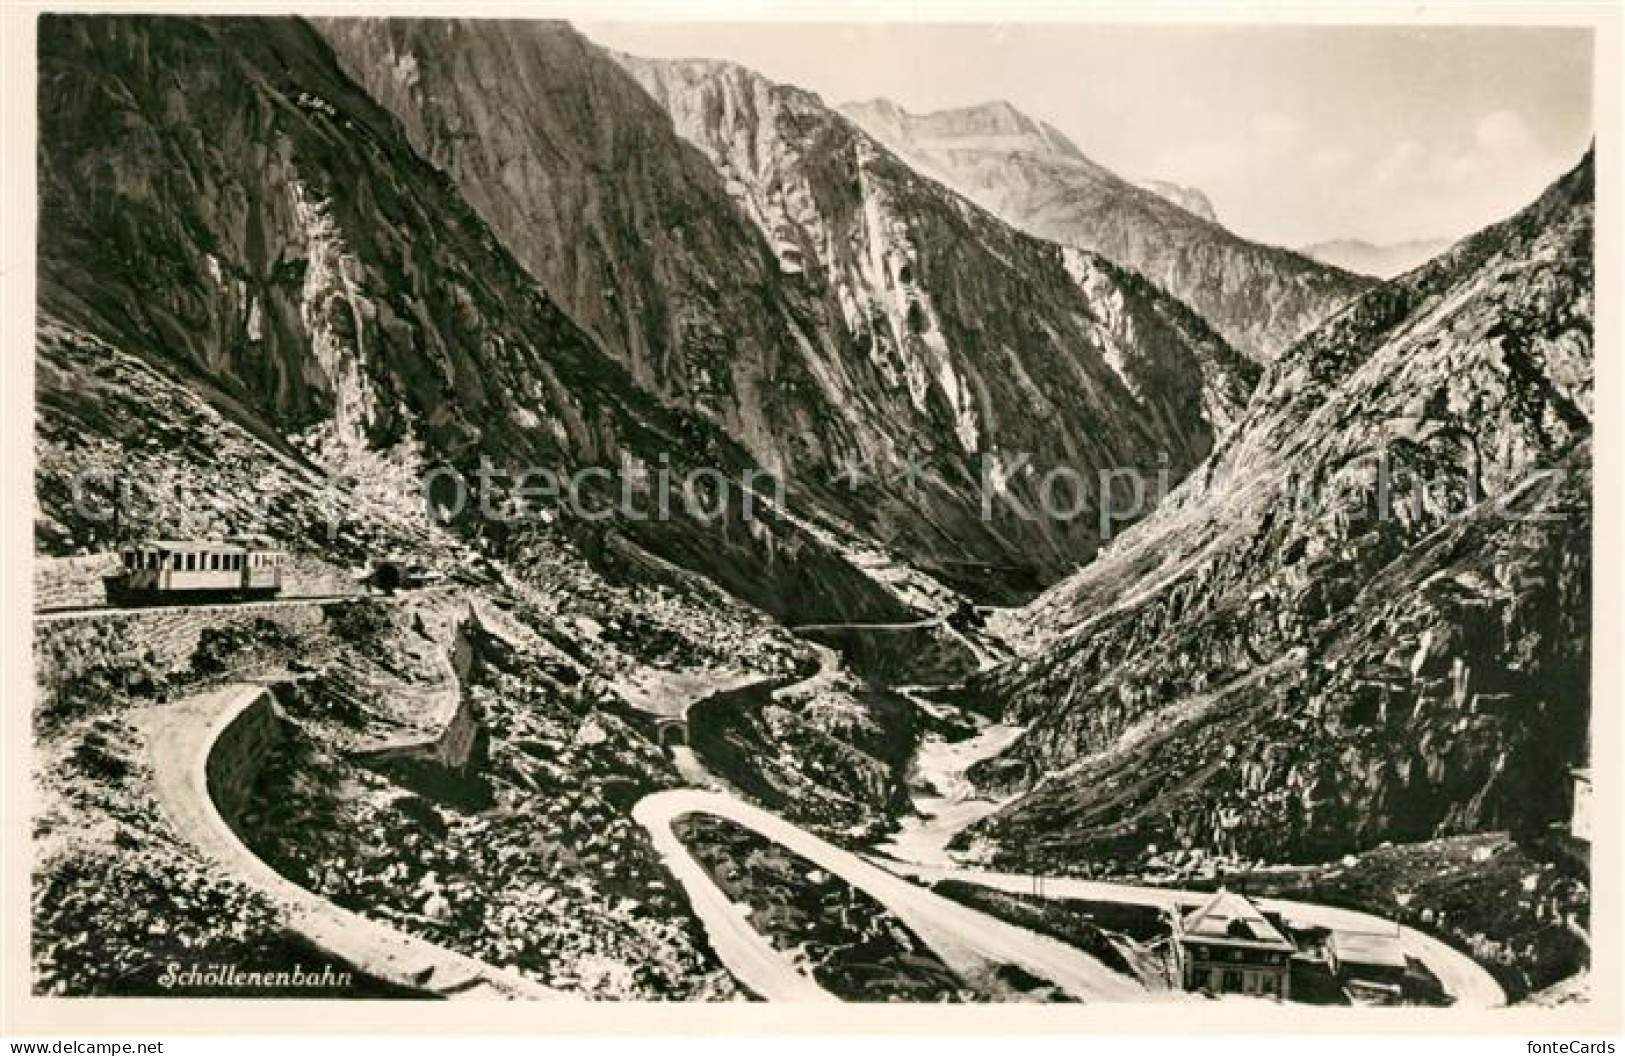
x: 1462, y: 977
x: 829, y: 670
x: 193, y: 746
x: 906, y: 625
x: 967, y: 941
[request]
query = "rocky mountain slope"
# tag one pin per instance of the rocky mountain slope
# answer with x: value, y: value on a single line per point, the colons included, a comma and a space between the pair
x: 570, y: 894
x: 1260, y: 298
x: 221, y: 201
x: 193, y: 313
x: 793, y: 282
x: 1383, y: 261
x: 1190, y: 199
x: 1366, y: 617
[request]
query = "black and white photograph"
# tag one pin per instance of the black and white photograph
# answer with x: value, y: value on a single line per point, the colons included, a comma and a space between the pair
x: 678, y: 511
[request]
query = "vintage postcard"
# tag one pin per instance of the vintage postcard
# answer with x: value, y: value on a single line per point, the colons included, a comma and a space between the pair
x: 656, y: 518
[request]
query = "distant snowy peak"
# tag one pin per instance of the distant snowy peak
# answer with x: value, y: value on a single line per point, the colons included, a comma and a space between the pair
x: 994, y: 125
x: 936, y: 326
x: 1267, y: 610
x: 998, y: 127
x: 1380, y: 261
x: 1190, y: 199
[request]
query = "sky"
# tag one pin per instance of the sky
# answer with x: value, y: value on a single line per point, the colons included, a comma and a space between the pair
x: 1296, y: 134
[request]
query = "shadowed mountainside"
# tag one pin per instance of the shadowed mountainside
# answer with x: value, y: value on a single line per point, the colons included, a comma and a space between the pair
x: 1366, y: 617
x: 752, y: 256
x: 219, y: 199
x: 1261, y: 298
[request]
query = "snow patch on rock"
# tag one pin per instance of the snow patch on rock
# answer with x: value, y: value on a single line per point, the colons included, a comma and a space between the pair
x: 1116, y: 331
x: 332, y: 292
x: 885, y: 275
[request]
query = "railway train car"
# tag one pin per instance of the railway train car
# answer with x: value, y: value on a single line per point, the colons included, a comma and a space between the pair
x: 169, y: 570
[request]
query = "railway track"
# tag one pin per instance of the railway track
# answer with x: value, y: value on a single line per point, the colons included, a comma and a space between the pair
x: 85, y: 612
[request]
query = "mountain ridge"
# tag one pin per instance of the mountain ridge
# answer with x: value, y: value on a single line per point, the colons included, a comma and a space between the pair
x: 1393, y: 659
x: 255, y: 224
x: 1381, y: 260
x: 822, y: 332
x: 1261, y: 298
x: 1191, y: 199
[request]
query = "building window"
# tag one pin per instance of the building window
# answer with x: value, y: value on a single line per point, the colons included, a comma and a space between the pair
x: 1232, y: 982
x: 1199, y: 978
x: 1267, y: 984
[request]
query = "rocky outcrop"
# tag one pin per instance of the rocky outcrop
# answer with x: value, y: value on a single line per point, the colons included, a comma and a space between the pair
x: 750, y: 255
x: 455, y: 730
x: 833, y: 760
x: 1367, y: 616
x: 1190, y: 199
x: 1259, y: 297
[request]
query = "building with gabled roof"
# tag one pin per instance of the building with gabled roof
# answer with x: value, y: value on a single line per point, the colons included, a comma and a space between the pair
x: 1370, y: 966
x: 1226, y: 945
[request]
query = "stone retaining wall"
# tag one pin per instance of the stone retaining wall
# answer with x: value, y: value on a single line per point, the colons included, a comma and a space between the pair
x: 72, y: 582
x: 161, y: 640
x: 234, y: 762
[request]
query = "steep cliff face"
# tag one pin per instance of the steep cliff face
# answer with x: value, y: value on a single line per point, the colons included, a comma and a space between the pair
x: 220, y: 200
x: 1259, y: 297
x: 952, y: 333
x: 580, y: 173
x: 1367, y: 616
x: 796, y: 285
